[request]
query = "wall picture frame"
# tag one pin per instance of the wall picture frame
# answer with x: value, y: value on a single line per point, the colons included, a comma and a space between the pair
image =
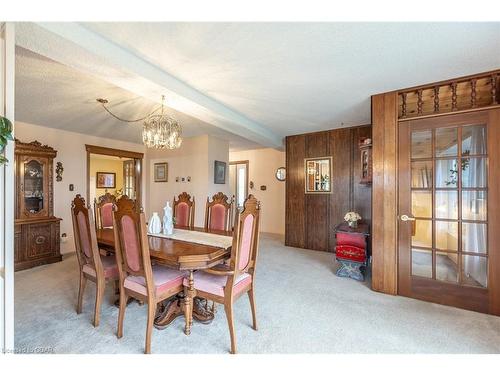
x: 105, y: 180
x: 161, y: 172
x: 318, y: 175
x: 220, y: 172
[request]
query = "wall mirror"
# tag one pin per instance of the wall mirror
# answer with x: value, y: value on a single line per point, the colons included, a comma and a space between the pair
x: 318, y: 172
x: 281, y: 174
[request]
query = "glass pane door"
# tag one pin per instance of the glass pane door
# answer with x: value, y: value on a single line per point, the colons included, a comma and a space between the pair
x: 448, y: 199
x: 449, y: 202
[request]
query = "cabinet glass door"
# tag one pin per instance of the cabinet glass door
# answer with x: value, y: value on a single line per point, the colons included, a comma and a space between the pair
x: 33, y: 187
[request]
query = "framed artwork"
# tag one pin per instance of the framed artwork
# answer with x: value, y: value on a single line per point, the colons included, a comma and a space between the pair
x: 105, y: 180
x: 318, y: 172
x: 219, y: 172
x: 161, y: 172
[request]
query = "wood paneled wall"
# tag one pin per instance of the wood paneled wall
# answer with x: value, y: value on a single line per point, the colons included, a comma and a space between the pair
x: 310, y: 218
x: 384, y: 217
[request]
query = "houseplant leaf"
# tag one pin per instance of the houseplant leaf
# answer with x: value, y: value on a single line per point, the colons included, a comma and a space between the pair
x: 5, y: 136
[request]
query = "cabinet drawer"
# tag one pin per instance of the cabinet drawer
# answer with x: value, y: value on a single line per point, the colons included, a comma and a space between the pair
x: 40, y: 240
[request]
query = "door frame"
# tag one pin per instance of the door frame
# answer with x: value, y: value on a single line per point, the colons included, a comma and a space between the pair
x: 483, y: 300
x: 137, y: 156
x: 236, y: 162
x: 7, y: 101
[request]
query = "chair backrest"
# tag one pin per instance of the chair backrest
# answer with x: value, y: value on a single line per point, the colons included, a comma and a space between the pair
x: 246, y: 237
x: 103, y: 207
x: 184, y: 210
x: 131, y: 241
x: 218, y: 212
x: 85, y: 236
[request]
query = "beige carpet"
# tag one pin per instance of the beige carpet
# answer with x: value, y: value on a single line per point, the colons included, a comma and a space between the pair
x: 302, y: 307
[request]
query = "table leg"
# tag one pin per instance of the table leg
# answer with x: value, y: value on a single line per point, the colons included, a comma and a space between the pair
x: 169, y: 310
x: 190, y: 293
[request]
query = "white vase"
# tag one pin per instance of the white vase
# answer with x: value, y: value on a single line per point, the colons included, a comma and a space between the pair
x: 168, y: 221
x: 154, y: 226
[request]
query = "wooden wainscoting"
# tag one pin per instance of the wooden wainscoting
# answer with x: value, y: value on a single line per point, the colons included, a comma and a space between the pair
x: 310, y: 218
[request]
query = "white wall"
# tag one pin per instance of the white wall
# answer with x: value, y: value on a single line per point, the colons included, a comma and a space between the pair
x: 71, y: 152
x: 218, y: 149
x: 261, y: 169
x: 195, y: 158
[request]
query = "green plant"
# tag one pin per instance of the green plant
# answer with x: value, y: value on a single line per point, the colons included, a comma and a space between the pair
x: 5, y: 136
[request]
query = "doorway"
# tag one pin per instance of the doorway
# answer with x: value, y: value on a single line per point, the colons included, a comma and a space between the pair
x: 238, y: 181
x: 113, y: 171
x: 449, y: 249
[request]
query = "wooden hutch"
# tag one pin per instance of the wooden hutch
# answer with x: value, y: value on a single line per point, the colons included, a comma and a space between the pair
x: 36, y: 229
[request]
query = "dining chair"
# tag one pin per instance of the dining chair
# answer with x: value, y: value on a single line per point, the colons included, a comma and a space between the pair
x: 138, y: 279
x: 218, y: 212
x: 184, y: 210
x: 93, y: 266
x: 225, y: 283
x: 103, y: 208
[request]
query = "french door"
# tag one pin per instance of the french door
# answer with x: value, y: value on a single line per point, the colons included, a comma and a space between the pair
x: 449, y: 199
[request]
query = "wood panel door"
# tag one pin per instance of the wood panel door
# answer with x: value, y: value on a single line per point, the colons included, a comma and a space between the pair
x: 449, y: 196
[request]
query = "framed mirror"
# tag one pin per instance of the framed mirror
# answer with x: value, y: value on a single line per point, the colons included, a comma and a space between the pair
x: 318, y: 173
x: 281, y: 174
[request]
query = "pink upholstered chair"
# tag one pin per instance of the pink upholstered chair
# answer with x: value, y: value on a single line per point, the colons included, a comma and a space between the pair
x: 103, y: 208
x: 184, y: 210
x: 138, y: 279
x: 218, y: 213
x: 226, y: 283
x: 93, y: 266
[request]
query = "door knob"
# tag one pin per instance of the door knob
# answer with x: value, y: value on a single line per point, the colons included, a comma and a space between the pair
x: 406, y: 218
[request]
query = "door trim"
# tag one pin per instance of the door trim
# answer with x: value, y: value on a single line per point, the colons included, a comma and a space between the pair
x: 137, y: 156
x: 7, y: 102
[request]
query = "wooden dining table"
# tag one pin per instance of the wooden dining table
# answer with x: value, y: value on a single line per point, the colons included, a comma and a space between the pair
x: 181, y: 255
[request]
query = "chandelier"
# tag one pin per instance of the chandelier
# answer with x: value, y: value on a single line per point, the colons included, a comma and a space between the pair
x: 159, y: 130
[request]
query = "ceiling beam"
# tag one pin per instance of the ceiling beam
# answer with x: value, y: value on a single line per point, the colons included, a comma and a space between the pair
x: 133, y: 73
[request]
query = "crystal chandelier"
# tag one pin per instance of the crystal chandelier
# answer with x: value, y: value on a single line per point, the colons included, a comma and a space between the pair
x: 159, y: 131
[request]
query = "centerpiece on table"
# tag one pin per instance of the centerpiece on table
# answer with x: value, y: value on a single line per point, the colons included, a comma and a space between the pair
x: 168, y: 220
x: 154, y: 226
x: 352, y: 219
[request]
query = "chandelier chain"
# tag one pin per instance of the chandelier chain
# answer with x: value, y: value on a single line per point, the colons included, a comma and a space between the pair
x: 124, y: 120
x: 159, y: 131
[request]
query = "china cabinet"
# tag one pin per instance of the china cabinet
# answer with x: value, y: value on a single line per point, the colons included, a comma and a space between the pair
x: 36, y: 229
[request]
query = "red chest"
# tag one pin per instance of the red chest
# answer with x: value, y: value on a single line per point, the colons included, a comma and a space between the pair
x: 351, y: 246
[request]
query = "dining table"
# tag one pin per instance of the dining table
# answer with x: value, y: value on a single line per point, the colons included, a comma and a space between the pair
x: 184, y: 255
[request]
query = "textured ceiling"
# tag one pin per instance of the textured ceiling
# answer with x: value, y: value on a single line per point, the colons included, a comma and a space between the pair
x: 54, y: 95
x: 286, y: 77
x: 299, y: 77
